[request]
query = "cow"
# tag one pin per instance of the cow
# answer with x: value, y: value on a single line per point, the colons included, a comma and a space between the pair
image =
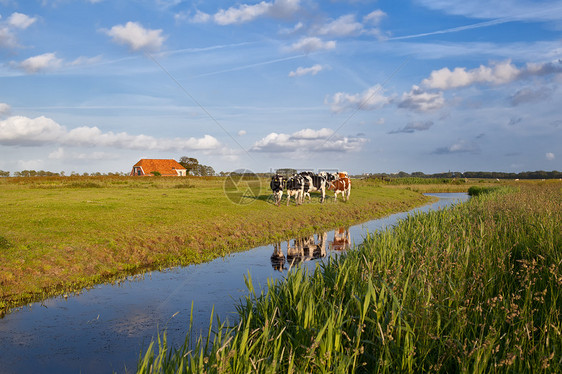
x: 276, y: 185
x: 315, y: 183
x: 295, y: 187
x: 341, y: 185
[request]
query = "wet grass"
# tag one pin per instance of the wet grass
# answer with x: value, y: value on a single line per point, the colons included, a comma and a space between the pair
x: 60, y: 234
x: 474, y: 288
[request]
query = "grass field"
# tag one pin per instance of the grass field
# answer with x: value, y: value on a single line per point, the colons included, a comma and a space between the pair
x: 474, y: 288
x: 60, y: 234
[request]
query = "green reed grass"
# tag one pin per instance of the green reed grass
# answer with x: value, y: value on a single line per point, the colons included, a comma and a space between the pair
x: 474, y: 288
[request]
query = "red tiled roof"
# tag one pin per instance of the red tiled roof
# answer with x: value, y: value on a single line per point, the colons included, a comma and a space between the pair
x: 166, y: 167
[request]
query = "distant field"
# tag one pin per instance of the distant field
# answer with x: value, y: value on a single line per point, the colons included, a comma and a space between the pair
x: 59, y: 234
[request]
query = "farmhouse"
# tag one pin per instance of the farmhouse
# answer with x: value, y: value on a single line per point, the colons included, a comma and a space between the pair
x: 164, y: 167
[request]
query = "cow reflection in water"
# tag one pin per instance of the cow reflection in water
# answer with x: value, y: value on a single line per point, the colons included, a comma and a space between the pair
x: 342, y: 239
x: 302, y: 249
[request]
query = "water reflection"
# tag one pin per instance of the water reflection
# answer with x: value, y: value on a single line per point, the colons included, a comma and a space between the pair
x: 342, y: 239
x: 299, y: 250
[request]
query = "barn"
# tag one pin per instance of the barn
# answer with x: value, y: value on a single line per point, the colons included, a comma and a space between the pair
x: 164, y: 167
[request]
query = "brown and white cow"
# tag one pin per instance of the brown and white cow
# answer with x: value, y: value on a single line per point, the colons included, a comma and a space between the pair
x: 341, y: 185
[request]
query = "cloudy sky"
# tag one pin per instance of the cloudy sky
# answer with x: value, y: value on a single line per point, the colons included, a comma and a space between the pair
x: 359, y: 85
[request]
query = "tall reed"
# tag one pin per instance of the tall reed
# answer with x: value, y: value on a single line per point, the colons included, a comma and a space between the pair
x: 474, y: 288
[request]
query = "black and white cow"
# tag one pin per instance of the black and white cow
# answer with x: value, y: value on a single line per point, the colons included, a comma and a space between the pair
x: 316, y: 182
x: 295, y: 187
x: 276, y: 185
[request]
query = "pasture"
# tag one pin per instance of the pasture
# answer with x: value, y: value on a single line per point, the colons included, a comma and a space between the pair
x: 60, y: 234
x: 474, y: 288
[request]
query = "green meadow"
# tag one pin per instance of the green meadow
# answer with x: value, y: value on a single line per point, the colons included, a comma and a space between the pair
x: 476, y: 288
x: 60, y: 234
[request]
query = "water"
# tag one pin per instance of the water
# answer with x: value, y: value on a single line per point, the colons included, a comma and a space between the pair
x: 104, y: 329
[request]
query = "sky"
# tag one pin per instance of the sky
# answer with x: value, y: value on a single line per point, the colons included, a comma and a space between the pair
x: 363, y: 86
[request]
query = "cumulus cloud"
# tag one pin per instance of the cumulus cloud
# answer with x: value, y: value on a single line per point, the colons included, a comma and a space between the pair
x: 413, y: 127
x: 44, y: 62
x: 198, y: 17
x: 498, y: 73
x: 4, y: 109
x: 308, y: 140
x: 241, y: 14
x: 461, y: 146
x: 136, y: 37
x: 313, y: 70
x: 20, y: 20
x: 311, y: 44
x: 345, y: 25
x: 24, y: 131
x: 445, y: 79
x: 8, y: 28
x: 550, y: 156
x: 244, y: 13
x: 421, y: 100
x: 370, y: 99
x: 348, y: 25
x: 7, y: 38
x: 374, y: 17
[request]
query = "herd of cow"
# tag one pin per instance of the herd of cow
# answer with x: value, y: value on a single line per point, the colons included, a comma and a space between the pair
x: 300, y: 185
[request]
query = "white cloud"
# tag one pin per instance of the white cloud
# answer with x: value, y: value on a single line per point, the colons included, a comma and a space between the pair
x: 550, y: 156
x: 313, y: 70
x: 4, y: 109
x: 35, y: 64
x: 374, y: 17
x: 19, y: 130
x: 497, y: 73
x: 445, y: 79
x: 420, y: 100
x: 372, y: 98
x: 198, y: 17
x: 7, y: 38
x: 241, y: 14
x: 307, y: 141
x: 241, y: 132
x: 311, y: 44
x: 134, y: 35
x: 345, y: 25
x: 245, y: 13
x: 20, y: 20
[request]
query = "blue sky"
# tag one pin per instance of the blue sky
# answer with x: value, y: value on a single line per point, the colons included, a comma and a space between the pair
x: 362, y: 86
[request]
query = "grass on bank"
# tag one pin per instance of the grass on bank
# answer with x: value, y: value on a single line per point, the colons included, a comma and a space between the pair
x: 60, y: 234
x: 474, y: 288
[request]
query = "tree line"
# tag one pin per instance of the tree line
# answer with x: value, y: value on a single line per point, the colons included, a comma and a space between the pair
x: 540, y: 174
x: 195, y: 168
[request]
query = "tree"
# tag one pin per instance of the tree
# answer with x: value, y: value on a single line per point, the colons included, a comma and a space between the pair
x: 189, y: 163
x: 4, y: 173
x: 195, y: 168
